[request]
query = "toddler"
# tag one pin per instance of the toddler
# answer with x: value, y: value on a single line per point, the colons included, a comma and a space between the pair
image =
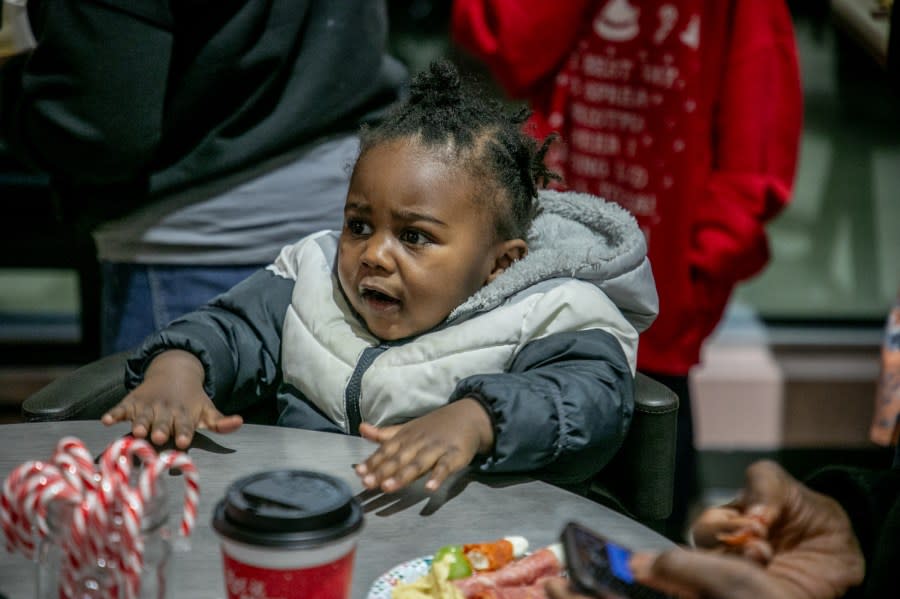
x: 459, y: 314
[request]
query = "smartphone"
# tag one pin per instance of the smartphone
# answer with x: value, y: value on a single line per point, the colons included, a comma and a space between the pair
x: 599, y: 567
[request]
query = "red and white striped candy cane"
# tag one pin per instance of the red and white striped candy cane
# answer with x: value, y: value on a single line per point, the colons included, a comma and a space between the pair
x: 75, y: 460
x: 108, y: 505
x: 130, y: 555
x: 16, y: 528
x: 166, y: 461
x: 117, y: 461
x: 27, y: 492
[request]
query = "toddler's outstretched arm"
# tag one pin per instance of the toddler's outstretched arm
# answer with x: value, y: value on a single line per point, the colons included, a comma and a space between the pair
x: 440, y: 443
x: 171, y: 402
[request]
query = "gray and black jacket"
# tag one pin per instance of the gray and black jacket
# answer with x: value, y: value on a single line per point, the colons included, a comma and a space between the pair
x: 548, y: 347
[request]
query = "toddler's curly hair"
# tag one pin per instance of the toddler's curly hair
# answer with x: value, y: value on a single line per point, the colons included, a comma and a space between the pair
x: 450, y: 114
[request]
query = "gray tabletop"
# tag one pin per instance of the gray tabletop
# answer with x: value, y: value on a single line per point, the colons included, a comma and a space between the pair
x: 397, y: 528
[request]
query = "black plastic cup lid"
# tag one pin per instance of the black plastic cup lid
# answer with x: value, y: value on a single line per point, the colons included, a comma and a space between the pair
x: 290, y: 509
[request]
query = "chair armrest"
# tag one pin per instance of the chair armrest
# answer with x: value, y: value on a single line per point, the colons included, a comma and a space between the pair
x: 85, y: 394
x: 640, y: 478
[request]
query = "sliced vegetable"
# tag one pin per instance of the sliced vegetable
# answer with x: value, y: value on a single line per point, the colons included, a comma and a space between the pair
x: 459, y: 564
x: 491, y: 555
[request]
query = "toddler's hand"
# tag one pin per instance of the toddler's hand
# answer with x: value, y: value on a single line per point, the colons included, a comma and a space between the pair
x: 440, y: 442
x: 171, y: 401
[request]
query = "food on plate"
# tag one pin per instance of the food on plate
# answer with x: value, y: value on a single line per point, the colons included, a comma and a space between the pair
x: 528, y: 571
x: 435, y: 584
x: 454, y: 556
x: 514, y: 578
x: 493, y: 555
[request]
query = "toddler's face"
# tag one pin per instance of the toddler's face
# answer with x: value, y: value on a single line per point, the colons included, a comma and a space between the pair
x: 414, y: 245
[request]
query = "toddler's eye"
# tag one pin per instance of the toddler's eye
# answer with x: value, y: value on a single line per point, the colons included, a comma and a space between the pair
x: 414, y: 237
x: 358, y: 227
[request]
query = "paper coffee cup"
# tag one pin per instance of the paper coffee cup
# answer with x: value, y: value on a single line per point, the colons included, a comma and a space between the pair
x: 288, y: 533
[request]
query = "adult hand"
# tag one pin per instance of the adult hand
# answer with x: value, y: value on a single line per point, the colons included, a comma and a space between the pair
x: 813, y: 552
x: 440, y: 442
x: 560, y: 589
x: 171, y: 402
x: 801, y: 543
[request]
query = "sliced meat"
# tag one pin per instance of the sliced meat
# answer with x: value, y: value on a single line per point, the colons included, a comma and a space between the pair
x: 532, y: 591
x: 524, y: 572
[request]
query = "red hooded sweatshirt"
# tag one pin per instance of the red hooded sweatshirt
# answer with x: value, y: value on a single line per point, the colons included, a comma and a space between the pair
x: 686, y: 112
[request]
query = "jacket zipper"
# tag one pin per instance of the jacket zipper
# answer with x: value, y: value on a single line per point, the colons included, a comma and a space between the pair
x: 354, y: 388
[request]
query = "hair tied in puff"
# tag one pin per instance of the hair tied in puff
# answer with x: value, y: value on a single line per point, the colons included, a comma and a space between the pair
x: 438, y: 87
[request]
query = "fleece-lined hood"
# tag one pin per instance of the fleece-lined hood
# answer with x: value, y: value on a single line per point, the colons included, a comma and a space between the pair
x: 579, y: 235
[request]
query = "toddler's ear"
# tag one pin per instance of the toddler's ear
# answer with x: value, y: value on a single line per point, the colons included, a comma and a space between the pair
x: 505, y: 254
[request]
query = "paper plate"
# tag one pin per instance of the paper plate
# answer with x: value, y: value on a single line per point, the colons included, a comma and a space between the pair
x: 409, y: 571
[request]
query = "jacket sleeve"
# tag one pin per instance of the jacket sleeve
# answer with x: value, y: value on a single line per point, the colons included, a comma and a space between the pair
x: 756, y: 135
x: 521, y: 41
x: 562, y: 409
x: 86, y: 105
x: 237, y: 337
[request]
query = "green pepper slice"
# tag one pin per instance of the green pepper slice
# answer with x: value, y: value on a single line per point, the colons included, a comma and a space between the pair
x: 459, y: 564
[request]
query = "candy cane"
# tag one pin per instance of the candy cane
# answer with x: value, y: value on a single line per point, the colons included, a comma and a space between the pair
x: 116, y: 465
x: 75, y: 460
x: 166, y: 461
x: 108, y: 505
x: 17, y: 528
x: 27, y: 492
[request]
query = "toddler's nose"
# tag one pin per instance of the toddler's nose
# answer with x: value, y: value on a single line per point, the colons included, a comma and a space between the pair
x: 379, y: 252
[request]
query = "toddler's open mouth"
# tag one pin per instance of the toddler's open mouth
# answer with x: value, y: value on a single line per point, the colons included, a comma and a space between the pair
x: 378, y: 300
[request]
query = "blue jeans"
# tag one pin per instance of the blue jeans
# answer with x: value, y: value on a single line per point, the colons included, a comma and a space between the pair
x: 139, y: 299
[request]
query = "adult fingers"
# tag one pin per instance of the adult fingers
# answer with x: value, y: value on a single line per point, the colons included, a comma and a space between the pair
x: 687, y: 573
x: 556, y: 589
x: 713, y: 522
x: 559, y: 589
x: 768, y: 488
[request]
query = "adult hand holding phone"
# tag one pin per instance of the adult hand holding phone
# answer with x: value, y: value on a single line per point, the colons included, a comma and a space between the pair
x: 814, y: 551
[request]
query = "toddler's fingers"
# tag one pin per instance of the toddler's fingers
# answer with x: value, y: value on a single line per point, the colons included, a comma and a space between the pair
x: 392, y: 466
x: 142, y: 417
x: 444, y: 467
x: 163, y: 426
x: 117, y: 413
x: 182, y: 430
x: 226, y: 424
x: 368, y: 470
x: 387, y: 451
x: 377, y: 434
x: 416, y: 464
x: 402, y: 477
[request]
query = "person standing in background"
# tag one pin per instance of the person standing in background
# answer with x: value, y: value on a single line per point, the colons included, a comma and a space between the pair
x: 194, y: 139
x: 686, y: 112
x: 885, y: 428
